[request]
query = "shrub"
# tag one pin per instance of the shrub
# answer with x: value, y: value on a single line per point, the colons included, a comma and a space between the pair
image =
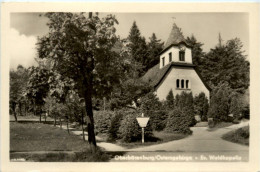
x: 178, y: 121
x: 115, y: 124
x: 246, y: 112
x: 240, y: 135
x: 150, y: 102
x: 169, y: 103
x: 201, y: 106
x: 184, y: 102
x: 129, y: 130
x: 219, y: 103
x: 102, y: 121
x: 235, y: 105
x: 211, y: 123
x: 158, y: 119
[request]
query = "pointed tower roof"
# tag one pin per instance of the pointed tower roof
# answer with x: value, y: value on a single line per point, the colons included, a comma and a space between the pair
x: 175, y: 36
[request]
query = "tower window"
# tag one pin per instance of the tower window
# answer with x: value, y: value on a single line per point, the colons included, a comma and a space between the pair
x: 182, y: 83
x: 181, y: 55
x: 178, y: 83
x: 163, y: 61
x: 187, y: 83
x: 170, y: 57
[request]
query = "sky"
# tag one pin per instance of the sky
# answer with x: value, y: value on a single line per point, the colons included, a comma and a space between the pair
x: 26, y: 27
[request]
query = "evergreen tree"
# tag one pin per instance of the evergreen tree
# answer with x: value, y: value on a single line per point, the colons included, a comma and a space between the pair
x: 201, y: 106
x: 170, y: 100
x: 219, y: 103
x: 138, y: 49
x: 184, y: 102
x: 197, y: 52
x: 236, y: 105
x: 227, y: 63
x: 155, y: 46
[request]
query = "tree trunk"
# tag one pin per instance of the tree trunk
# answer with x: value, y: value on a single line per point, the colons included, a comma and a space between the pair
x: 20, y: 108
x: 60, y: 123
x: 55, y: 117
x: 90, y: 119
x: 25, y: 108
x: 45, y: 118
x: 13, y: 107
x: 104, y: 99
x: 68, y: 125
x: 40, y: 117
x: 34, y: 108
x: 15, y: 116
x: 82, y: 124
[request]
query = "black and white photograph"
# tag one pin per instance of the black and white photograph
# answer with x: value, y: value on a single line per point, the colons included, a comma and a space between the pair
x: 129, y: 87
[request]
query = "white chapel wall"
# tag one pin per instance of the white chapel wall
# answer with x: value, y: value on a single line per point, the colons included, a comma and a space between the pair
x: 169, y: 82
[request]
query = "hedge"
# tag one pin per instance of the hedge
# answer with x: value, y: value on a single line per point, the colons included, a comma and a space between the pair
x: 179, y: 121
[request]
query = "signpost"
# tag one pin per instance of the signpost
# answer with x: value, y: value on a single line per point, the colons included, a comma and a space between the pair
x: 142, y: 121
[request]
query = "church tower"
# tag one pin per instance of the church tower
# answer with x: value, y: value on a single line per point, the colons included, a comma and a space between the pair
x: 176, y: 49
x: 176, y: 71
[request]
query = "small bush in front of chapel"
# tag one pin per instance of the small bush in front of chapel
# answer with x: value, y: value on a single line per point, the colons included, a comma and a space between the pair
x: 178, y: 122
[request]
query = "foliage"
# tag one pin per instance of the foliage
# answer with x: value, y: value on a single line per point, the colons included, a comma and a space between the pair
x: 18, y: 83
x: 138, y: 50
x: 103, y: 121
x: 201, y: 106
x: 211, y: 123
x: 79, y: 48
x: 197, y: 53
x: 158, y: 119
x: 38, y: 87
x: 154, y: 47
x: 130, y: 131
x: 235, y: 107
x: 184, y: 102
x: 152, y: 107
x: 150, y: 102
x: 169, y: 103
x: 227, y: 63
x: 219, y: 103
x: 178, y: 121
x: 131, y: 90
x: 240, y: 136
x: 115, y: 124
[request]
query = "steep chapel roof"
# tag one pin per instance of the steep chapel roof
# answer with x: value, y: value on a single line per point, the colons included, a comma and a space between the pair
x: 175, y: 36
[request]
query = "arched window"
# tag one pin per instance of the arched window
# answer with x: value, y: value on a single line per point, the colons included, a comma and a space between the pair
x: 187, y: 83
x: 182, y: 83
x: 177, y: 83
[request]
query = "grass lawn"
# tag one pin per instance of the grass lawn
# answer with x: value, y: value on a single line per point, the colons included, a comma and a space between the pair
x: 30, y: 117
x: 240, y: 136
x: 159, y: 137
x: 29, y: 137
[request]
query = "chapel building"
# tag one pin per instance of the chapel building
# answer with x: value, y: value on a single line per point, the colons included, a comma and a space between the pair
x: 176, y: 70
